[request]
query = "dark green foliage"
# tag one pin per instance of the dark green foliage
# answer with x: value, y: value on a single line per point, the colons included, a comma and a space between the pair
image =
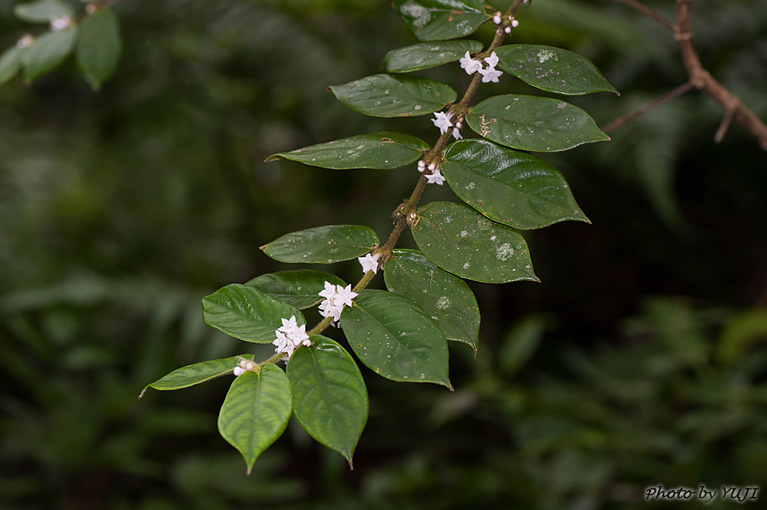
x: 121, y: 209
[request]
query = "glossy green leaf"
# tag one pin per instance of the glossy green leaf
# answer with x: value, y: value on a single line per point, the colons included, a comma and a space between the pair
x: 255, y: 411
x: 377, y: 150
x: 396, y: 338
x: 329, y: 395
x: 533, y: 123
x: 323, y: 245
x: 10, y: 63
x: 436, y: 20
x: 445, y: 297
x: 298, y: 288
x: 246, y: 313
x: 99, y: 47
x: 426, y: 55
x: 462, y: 241
x: 512, y: 187
x: 43, y: 11
x: 197, y: 373
x: 384, y: 95
x: 47, y: 52
x: 552, y: 69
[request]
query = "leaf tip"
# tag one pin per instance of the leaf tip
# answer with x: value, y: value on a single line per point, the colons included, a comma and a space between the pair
x: 273, y: 157
x: 141, y: 395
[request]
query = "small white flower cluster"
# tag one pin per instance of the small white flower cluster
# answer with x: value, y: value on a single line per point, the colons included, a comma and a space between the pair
x: 489, y: 74
x: 435, y: 176
x: 497, y: 19
x: 25, y: 42
x: 369, y: 262
x: 60, y: 23
x: 336, y: 297
x: 290, y: 336
x: 444, y: 122
x: 244, y: 366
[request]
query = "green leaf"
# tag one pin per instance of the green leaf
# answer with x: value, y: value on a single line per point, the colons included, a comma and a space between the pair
x: 552, y: 69
x: 329, y: 395
x: 396, y: 338
x: 533, y: 123
x: 520, y: 344
x: 384, y: 95
x: 323, y: 245
x: 377, y: 150
x: 43, y: 11
x: 99, y: 47
x: 741, y: 332
x: 435, y: 20
x: 10, y: 62
x: 197, y: 373
x: 460, y: 240
x: 256, y: 411
x: 246, y: 313
x: 47, y: 52
x: 512, y: 187
x: 426, y: 55
x: 298, y: 288
x: 446, y: 298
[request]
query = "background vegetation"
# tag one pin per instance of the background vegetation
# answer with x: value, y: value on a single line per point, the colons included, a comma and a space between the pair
x: 634, y: 363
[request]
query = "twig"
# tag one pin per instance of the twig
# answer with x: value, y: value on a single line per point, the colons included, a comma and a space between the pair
x: 700, y: 78
x: 703, y: 80
x: 726, y: 121
x: 624, y: 119
x: 648, y: 12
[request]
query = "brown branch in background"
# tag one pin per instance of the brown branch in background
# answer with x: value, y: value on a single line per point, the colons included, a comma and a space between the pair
x: 620, y: 121
x: 648, y: 12
x: 700, y: 78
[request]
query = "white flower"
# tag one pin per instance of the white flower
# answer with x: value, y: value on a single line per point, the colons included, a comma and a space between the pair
x: 457, y: 134
x: 290, y: 336
x: 507, y: 30
x: 60, y: 23
x: 497, y: 19
x: 469, y: 64
x: 25, y: 42
x: 345, y: 295
x: 336, y: 297
x: 490, y: 75
x: 369, y: 263
x: 435, y: 178
x: 442, y: 121
x: 492, y: 60
x: 515, y: 23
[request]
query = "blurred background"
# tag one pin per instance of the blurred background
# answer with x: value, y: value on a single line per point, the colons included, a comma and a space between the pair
x: 636, y: 362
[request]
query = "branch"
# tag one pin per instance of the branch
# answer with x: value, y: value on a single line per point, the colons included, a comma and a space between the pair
x: 620, y: 121
x: 699, y: 78
x: 635, y: 4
